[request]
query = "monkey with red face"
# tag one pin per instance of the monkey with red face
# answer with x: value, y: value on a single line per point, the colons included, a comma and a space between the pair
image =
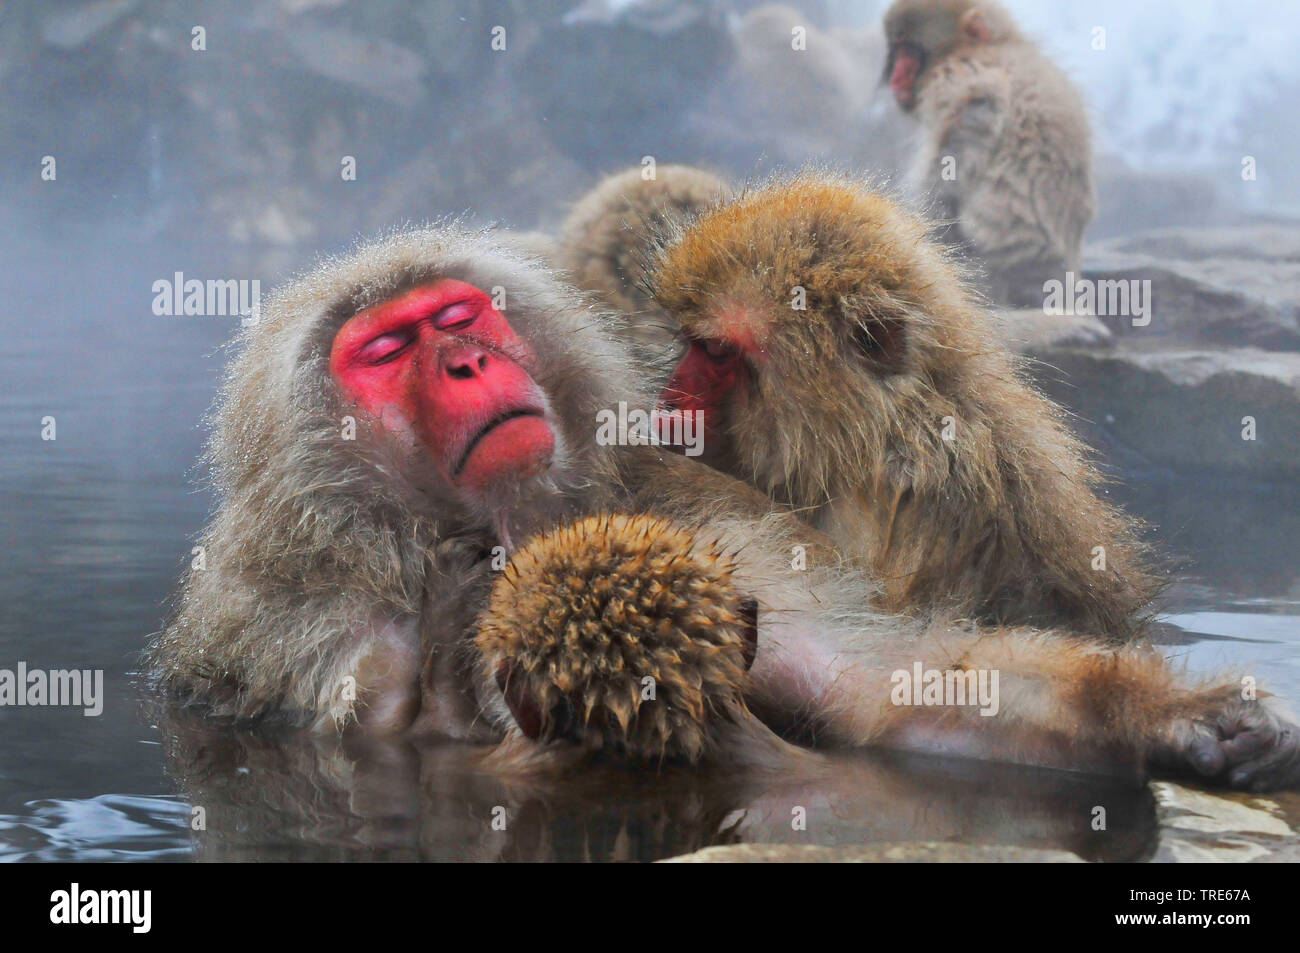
x: 843, y: 367
x: 405, y: 416
x: 1006, y: 148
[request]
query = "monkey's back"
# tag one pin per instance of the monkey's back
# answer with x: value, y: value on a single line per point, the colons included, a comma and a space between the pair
x: 1028, y: 197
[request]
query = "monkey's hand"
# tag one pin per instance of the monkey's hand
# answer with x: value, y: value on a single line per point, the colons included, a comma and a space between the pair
x: 622, y: 634
x: 1239, y: 743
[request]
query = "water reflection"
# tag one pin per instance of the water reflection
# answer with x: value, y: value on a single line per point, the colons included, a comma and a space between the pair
x: 296, y: 798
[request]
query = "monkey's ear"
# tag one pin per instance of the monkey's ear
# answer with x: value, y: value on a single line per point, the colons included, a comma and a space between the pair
x: 973, y: 26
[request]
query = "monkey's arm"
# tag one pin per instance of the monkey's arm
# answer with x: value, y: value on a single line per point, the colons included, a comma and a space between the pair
x: 249, y: 647
x: 1042, y: 698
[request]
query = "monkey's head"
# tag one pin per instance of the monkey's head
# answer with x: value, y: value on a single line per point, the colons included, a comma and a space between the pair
x: 434, y: 375
x: 826, y: 336
x: 920, y: 33
x: 605, y: 239
x: 620, y: 633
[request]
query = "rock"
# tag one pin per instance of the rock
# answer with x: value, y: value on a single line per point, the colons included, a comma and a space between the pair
x: 1184, y: 409
x: 1196, y: 826
x: 1237, y: 286
x: 927, y: 852
x: 617, y: 80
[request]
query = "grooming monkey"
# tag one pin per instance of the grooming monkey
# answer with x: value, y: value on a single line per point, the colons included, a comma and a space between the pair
x: 1006, y: 150
x: 843, y: 368
x: 604, y: 242
x: 402, y: 415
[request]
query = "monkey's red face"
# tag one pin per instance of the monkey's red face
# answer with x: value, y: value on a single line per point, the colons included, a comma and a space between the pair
x: 906, y: 61
x: 707, y: 373
x: 441, y: 369
x: 709, y: 379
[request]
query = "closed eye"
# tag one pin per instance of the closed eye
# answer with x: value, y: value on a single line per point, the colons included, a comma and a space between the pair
x: 722, y: 352
x: 456, y: 317
x: 384, y: 348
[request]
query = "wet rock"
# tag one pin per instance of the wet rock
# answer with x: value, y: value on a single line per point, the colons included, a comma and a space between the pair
x: 926, y: 852
x: 1184, y: 410
x: 1196, y: 826
x: 1235, y: 286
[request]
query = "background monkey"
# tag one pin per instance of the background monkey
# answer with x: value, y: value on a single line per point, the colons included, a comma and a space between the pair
x: 1006, y: 149
x: 844, y: 369
x: 606, y: 238
x: 343, y: 575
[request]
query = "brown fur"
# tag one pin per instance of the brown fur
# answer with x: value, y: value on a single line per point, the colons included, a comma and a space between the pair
x: 843, y: 406
x: 604, y: 242
x: 583, y: 615
x: 1023, y: 191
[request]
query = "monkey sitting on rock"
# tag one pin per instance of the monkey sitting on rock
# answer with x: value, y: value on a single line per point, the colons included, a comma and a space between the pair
x: 1006, y: 149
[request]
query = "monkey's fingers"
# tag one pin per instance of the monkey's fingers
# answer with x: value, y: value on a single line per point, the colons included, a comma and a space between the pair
x: 1246, y: 746
x: 622, y: 634
x: 1261, y: 749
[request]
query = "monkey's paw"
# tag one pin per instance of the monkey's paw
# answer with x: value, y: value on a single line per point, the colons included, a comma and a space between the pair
x: 1243, y: 745
x: 620, y: 633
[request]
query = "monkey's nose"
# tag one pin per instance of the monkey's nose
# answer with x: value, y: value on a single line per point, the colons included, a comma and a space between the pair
x: 466, y: 364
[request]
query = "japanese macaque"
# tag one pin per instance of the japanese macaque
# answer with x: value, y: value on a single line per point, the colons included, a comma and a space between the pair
x: 605, y: 240
x: 843, y: 368
x: 403, y: 418
x: 1006, y: 151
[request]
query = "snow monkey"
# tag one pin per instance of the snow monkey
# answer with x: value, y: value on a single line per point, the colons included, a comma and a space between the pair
x: 843, y: 368
x: 405, y: 417
x: 1006, y: 150
x: 604, y: 241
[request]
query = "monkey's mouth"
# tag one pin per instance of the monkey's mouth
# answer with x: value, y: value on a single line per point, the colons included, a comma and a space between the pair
x: 903, y: 70
x: 488, y: 429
